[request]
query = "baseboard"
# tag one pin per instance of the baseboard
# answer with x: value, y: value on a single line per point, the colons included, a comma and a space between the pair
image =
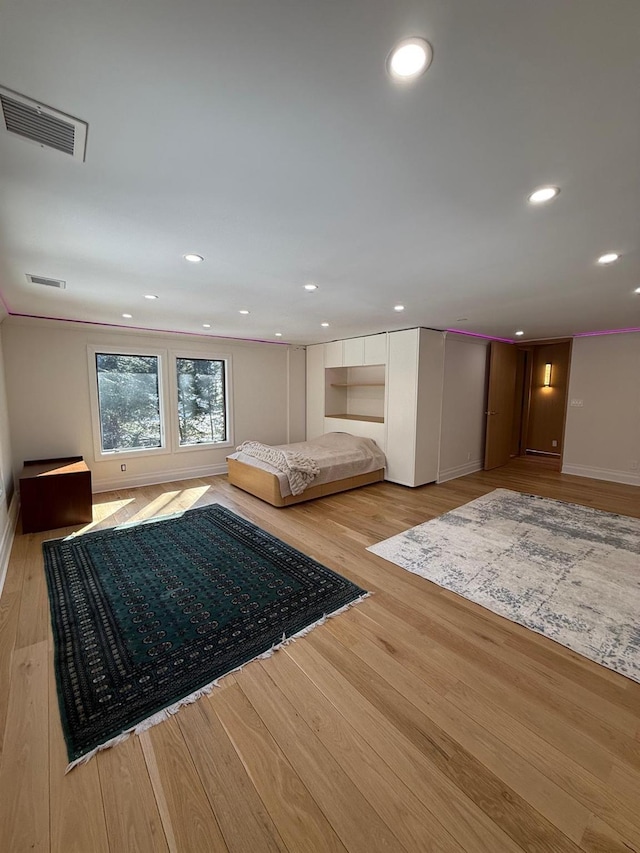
x: 628, y: 478
x: 459, y: 471
x: 158, y: 477
x: 7, y: 536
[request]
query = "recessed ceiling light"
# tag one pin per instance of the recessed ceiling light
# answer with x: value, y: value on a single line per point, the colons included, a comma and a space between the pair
x: 206, y: 325
x: 278, y: 334
x: 519, y: 333
x: 311, y: 287
x: 128, y: 316
x: 608, y: 258
x: 637, y: 290
x: 150, y: 296
x: 243, y: 311
x: 398, y: 307
x: 543, y: 194
x: 324, y: 325
x: 193, y: 259
x: 409, y: 59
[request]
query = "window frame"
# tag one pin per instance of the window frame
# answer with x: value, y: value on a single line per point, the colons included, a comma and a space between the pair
x: 174, y: 355
x: 168, y: 401
x: 101, y: 455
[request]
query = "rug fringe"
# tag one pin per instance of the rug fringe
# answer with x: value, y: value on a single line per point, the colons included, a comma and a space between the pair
x: 170, y: 710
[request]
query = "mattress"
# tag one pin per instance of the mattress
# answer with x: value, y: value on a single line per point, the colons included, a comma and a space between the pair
x: 339, y: 455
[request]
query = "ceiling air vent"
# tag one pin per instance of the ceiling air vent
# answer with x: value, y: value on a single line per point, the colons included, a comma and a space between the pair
x: 43, y: 125
x: 47, y: 282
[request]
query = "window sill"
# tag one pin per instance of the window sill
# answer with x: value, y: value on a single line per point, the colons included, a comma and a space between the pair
x: 205, y: 445
x: 115, y: 455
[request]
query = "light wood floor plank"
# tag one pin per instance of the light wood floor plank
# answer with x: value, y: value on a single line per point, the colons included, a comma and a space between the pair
x: 77, y: 813
x: 414, y: 825
x: 244, y: 821
x: 387, y: 659
x: 468, y: 823
x: 356, y: 823
x: 193, y: 824
x: 450, y: 651
x: 301, y: 822
x: 500, y: 803
x: 131, y: 811
x: 599, y: 837
x: 416, y: 719
x: 24, y: 773
x: 9, y: 614
x: 33, y: 626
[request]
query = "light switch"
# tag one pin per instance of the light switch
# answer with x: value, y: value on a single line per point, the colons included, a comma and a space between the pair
x: 577, y: 403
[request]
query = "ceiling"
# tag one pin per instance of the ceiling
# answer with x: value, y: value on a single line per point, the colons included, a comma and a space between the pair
x: 267, y: 136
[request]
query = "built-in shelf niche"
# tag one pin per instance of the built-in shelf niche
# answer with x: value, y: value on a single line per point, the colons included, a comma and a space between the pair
x: 355, y: 393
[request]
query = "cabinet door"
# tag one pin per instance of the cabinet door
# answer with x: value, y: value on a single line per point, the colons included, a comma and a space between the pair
x: 353, y: 352
x: 333, y: 354
x: 375, y: 349
x: 402, y: 394
x: 315, y: 391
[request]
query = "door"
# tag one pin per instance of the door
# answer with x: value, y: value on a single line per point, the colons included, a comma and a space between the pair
x: 503, y: 362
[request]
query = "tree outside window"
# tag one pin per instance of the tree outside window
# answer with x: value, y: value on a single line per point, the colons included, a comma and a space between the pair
x: 202, y: 408
x: 128, y: 401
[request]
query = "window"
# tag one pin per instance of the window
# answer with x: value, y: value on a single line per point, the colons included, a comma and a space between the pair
x: 151, y: 402
x: 128, y: 401
x: 202, y: 406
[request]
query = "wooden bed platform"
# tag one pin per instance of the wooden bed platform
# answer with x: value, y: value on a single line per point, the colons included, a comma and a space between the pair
x: 265, y: 485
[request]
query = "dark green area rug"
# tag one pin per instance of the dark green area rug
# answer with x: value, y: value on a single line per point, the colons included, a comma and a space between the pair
x: 149, y: 615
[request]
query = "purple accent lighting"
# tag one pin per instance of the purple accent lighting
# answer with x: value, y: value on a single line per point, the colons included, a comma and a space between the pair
x: 604, y: 332
x: 143, y: 329
x: 476, y: 335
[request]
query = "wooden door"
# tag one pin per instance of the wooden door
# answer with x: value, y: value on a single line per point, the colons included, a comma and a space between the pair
x: 501, y: 401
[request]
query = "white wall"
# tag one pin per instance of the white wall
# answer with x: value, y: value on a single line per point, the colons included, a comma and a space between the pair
x: 602, y: 437
x: 463, y: 406
x: 296, y: 389
x: 8, y: 503
x: 49, y: 406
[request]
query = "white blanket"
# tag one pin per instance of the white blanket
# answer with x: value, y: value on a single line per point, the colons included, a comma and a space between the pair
x: 300, y: 470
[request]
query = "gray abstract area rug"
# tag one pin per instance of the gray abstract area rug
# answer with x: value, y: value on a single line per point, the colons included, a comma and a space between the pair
x: 569, y: 572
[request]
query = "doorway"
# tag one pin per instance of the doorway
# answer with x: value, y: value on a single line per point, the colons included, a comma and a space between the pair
x: 526, y: 402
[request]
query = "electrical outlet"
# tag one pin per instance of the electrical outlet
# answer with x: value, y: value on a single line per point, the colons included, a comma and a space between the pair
x: 577, y: 403
x: 468, y: 457
x: 554, y: 443
x: 123, y: 467
x: 634, y: 464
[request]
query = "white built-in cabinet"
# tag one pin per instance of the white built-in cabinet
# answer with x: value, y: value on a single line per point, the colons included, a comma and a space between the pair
x: 415, y: 373
x: 315, y: 391
x: 387, y: 387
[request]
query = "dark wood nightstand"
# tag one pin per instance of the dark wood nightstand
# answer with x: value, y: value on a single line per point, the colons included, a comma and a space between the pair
x: 55, y: 493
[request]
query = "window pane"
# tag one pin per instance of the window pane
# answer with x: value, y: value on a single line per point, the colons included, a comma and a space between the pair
x: 129, y: 401
x: 202, y: 410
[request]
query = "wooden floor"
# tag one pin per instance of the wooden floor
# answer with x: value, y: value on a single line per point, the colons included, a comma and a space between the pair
x: 416, y: 721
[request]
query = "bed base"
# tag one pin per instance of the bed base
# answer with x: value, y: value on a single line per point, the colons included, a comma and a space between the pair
x: 265, y: 485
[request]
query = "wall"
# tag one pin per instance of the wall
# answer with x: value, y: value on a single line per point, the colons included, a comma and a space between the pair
x: 463, y: 407
x: 602, y: 437
x: 50, y: 414
x: 8, y: 503
x: 546, y: 405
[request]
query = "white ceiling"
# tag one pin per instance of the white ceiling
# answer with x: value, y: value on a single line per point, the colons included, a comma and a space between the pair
x: 267, y: 136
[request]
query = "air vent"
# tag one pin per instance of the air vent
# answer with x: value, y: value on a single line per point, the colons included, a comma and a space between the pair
x: 47, y: 282
x: 43, y: 125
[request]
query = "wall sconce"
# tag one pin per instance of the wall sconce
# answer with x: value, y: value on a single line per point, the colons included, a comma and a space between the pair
x: 547, y: 375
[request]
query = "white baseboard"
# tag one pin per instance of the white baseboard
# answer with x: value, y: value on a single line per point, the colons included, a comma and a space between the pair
x: 459, y: 471
x: 6, y: 537
x: 158, y: 477
x: 627, y: 477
